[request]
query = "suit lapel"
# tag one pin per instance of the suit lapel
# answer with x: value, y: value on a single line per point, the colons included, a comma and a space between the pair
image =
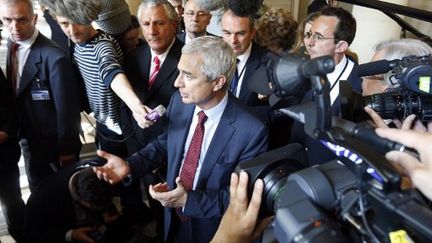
x: 220, y: 139
x: 31, y: 67
x: 168, y: 67
x: 252, y: 64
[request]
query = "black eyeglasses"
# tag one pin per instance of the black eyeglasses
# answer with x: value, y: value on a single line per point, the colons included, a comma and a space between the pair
x: 317, y: 37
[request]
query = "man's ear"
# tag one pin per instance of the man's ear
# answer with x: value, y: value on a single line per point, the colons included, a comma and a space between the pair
x: 341, y: 46
x: 220, y: 83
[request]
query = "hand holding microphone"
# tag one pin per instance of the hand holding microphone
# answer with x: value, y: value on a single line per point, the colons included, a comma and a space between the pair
x: 156, y: 113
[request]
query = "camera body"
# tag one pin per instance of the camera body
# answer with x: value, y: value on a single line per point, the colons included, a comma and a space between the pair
x: 356, y: 198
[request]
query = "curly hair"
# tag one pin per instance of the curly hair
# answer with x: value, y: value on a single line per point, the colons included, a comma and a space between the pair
x: 276, y: 29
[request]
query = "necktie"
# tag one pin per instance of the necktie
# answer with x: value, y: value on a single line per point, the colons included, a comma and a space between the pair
x: 12, y: 65
x: 235, y: 80
x: 155, y: 71
x: 190, y: 163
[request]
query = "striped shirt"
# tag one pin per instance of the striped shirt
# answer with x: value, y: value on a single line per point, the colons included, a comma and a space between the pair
x: 99, y: 60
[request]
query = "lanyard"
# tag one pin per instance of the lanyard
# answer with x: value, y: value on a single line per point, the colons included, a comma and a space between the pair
x: 340, y: 75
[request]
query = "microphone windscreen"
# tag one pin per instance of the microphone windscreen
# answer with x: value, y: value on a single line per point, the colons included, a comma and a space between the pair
x: 244, y: 8
x: 156, y: 113
x: 372, y: 68
x: 211, y: 5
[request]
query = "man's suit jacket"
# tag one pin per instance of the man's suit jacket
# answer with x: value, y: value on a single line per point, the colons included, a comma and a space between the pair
x: 137, y: 70
x: 182, y: 36
x: 9, y: 150
x: 54, y: 121
x: 239, y: 136
x: 258, y: 58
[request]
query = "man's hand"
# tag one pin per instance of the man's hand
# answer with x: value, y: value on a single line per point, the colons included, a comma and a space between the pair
x: 3, y: 137
x: 419, y: 172
x: 114, y: 171
x: 171, y: 199
x: 239, y: 224
x: 83, y: 234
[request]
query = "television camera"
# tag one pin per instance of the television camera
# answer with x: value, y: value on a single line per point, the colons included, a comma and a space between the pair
x: 411, y: 77
x: 357, y: 197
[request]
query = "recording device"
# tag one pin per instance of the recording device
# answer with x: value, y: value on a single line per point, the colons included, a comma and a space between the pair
x: 242, y: 8
x: 412, y: 75
x: 156, y: 113
x: 355, y: 198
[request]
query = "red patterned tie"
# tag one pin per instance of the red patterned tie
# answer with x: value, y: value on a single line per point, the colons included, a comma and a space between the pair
x: 12, y: 67
x: 155, y: 71
x: 190, y: 163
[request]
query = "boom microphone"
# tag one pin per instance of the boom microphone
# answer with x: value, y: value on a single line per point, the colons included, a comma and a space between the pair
x: 376, y: 67
x: 156, y: 113
x: 211, y: 5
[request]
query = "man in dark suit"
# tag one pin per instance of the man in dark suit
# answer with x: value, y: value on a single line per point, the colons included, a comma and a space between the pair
x: 331, y: 34
x: 153, y: 85
x: 10, y: 191
x: 47, y: 93
x: 196, y: 20
x: 238, y: 32
x: 209, y: 132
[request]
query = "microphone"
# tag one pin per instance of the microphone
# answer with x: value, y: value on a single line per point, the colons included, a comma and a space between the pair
x: 376, y: 67
x: 211, y: 5
x: 156, y: 113
x: 368, y: 136
x: 244, y: 8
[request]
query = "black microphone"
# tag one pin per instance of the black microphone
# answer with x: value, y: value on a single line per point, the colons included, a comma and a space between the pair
x: 368, y: 136
x: 376, y: 67
x: 156, y: 113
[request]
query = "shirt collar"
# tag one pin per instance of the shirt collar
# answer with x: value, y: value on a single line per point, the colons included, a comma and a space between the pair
x: 245, y: 56
x: 339, y: 68
x: 163, y: 55
x: 215, y: 112
x: 29, y: 42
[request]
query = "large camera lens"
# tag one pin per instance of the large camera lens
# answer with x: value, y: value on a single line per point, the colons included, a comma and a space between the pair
x: 399, y: 106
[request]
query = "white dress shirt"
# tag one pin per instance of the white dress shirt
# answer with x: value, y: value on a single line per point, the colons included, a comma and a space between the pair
x: 213, y: 117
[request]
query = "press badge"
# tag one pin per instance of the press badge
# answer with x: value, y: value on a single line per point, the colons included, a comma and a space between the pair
x: 42, y: 94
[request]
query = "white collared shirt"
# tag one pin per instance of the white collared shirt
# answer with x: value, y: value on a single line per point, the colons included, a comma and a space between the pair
x: 161, y: 57
x: 23, y: 53
x: 213, y: 117
x: 241, y: 68
x: 342, y: 71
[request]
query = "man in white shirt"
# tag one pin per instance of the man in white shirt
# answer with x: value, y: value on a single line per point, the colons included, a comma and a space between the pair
x: 196, y: 20
x: 207, y: 128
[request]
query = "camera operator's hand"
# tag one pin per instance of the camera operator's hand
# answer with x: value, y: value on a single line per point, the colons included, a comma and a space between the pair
x: 419, y: 172
x: 239, y: 224
x: 410, y: 122
x: 82, y: 234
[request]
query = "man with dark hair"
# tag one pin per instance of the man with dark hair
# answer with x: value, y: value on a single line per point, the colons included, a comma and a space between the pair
x: 209, y: 132
x: 331, y: 34
x: 46, y: 93
x: 238, y: 32
x: 73, y: 205
x: 10, y: 191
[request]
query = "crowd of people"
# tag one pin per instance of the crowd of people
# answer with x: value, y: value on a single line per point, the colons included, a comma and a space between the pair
x: 183, y: 164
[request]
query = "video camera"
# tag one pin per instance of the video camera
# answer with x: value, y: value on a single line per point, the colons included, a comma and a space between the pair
x: 411, y: 76
x: 357, y: 197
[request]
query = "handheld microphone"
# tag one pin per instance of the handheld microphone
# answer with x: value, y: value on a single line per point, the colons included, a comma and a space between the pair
x: 156, y: 113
